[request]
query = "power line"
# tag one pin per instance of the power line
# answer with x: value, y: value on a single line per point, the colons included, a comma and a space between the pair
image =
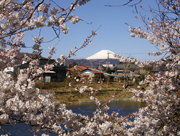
x: 133, y: 53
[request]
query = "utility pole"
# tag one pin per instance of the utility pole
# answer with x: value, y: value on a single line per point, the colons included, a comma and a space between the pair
x: 107, y: 61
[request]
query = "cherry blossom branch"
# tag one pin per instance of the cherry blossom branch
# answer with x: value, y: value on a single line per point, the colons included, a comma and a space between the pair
x: 71, y: 9
x: 20, y: 27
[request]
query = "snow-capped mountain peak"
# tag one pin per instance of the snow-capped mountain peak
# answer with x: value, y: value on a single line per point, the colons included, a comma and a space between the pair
x: 103, y: 54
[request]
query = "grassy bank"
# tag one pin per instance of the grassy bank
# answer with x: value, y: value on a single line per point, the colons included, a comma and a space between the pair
x: 65, y: 94
x: 64, y: 86
x: 66, y: 98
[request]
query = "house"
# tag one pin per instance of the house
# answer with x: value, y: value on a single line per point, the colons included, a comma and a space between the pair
x: 125, y: 67
x: 58, y: 73
x: 79, y: 68
x: 92, y: 73
x: 87, y: 71
x: 106, y: 66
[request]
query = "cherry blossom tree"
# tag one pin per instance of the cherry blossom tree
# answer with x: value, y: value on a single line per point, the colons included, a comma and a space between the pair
x: 19, y: 100
x: 161, y: 116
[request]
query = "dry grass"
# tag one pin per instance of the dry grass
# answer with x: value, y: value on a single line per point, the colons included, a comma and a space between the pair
x: 63, y: 87
x: 66, y: 98
x: 59, y: 89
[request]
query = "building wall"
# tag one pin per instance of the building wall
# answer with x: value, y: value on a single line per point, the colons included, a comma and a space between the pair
x: 88, y: 74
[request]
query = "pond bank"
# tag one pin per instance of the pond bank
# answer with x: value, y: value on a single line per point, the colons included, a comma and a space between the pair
x: 79, y: 98
x: 101, y: 100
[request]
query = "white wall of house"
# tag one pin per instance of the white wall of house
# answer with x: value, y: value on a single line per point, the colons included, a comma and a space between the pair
x: 90, y: 74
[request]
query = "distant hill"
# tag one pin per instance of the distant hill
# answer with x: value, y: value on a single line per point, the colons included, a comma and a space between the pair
x: 91, y: 62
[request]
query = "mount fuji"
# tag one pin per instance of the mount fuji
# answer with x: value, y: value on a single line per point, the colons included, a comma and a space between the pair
x: 99, y: 58
x: 103, y: 54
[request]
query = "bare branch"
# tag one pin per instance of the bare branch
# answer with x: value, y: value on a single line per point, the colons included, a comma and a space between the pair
x: 125, y: 4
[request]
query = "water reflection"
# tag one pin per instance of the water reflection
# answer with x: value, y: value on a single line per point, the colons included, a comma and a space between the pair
x: 124, y: 107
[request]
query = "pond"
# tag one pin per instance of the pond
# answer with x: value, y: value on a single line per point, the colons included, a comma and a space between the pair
x: 124, y: 107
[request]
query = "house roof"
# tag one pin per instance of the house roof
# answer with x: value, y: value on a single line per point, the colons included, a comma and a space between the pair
x: 85, y: 70
x: 86, y: 66
x: 96, y: 72
x: 42, y: 62
x: 92, y: 71
x: 121, y: 66
x: 80, y: 67
x: 20, y: 54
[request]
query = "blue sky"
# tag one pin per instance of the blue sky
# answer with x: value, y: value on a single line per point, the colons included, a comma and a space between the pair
x: 113, y: 34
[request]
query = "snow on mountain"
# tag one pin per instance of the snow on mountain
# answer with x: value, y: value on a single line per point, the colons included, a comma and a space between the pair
x: 103, y: 54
